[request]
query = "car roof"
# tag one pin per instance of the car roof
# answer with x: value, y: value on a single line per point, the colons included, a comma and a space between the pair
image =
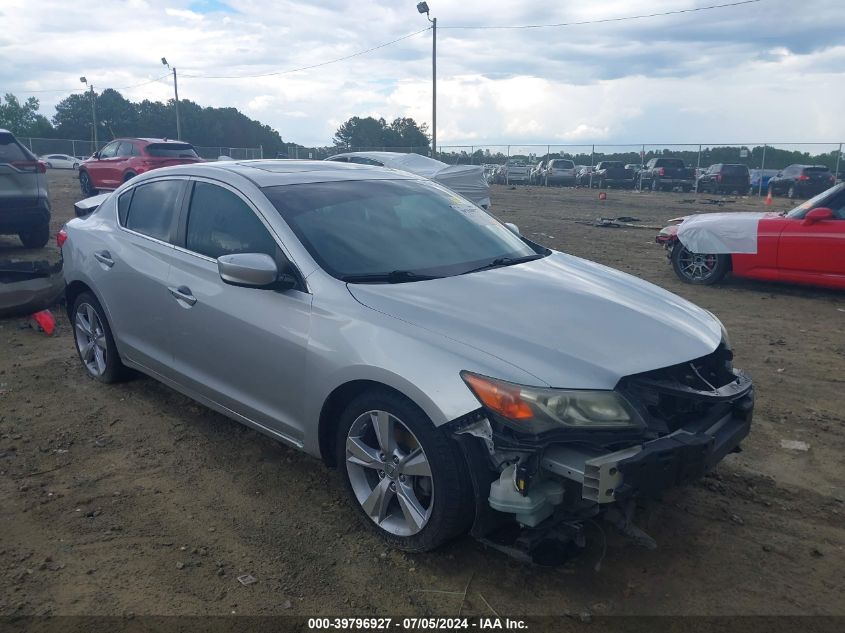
x: 149, y: 140
x: 273, y: 172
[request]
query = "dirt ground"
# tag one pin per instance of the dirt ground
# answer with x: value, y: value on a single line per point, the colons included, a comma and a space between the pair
x: 133, y: 499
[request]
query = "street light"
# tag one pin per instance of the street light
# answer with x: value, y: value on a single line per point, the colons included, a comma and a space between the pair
x: 422, y: 7
x: 176, y: 92
x: 93, y: 111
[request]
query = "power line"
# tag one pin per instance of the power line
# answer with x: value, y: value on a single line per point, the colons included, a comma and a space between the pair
x: 603, y: 20
x: 317, y: 65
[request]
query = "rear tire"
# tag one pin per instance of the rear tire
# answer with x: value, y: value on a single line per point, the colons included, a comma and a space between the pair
x: 699, y: 269
x: 37, y: 237
x: 94, y: 341
x: 442, y: 505
x: 86, y: 184
x: 129, y: 176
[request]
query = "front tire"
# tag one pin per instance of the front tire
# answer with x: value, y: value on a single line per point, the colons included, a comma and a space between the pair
x: 407, y: 478
x: 94, y: 341
x: 37, y: 237
x: 86, y: 184
x: 700, y: 269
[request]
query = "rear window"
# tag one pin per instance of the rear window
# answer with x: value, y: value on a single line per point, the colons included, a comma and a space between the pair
x: 171, y: 150
x: 10, y: 151
x: 670, y: 162
x: 609, y: 164
x: 816, y: 170
x: 563, y: 164
x: 735, y: 170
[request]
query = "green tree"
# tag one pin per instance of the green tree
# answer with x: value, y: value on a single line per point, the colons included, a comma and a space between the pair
x: 368, y: 132
x: 23, y: 119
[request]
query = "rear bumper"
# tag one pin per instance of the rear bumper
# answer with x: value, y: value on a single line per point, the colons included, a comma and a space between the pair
x: 23, y: 214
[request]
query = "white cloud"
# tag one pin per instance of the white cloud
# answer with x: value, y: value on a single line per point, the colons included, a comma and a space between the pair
x: 741, y: 74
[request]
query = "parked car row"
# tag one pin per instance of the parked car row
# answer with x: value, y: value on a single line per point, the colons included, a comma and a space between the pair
x: 667, y: 174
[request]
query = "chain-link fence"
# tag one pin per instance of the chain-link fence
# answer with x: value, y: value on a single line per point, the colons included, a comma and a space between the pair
x: 83, y: 149
x: 763, y: 160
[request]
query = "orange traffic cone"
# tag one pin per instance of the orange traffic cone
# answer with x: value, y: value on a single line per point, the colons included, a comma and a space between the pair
x: 602, y: 196
x: 769, y: 200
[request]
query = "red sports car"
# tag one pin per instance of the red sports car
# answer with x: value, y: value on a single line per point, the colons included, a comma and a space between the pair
x: 805, y: 245
x: 125, y: 158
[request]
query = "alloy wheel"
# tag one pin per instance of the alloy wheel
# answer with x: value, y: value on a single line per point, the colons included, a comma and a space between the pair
x: 90, y: 339
x: 390, y: 473
x: 697, y: 266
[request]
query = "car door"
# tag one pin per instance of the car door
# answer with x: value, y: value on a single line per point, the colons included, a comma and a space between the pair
x: 133, y: 266
x: 101, y: 169
x: 242, y: 348
x: 807, y: 252
x: 123, y: 156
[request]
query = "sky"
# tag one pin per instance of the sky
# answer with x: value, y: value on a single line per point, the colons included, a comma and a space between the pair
x: 770, y: 71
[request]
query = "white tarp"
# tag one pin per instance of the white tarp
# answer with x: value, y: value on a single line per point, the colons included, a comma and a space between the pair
x: 467, y: 180
x: 718, y: 233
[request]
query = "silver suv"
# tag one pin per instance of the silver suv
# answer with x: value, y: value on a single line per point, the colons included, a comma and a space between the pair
x: 24, y: 198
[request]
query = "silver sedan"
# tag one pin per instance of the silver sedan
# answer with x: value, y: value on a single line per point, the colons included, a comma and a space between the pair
x: 461, y: 376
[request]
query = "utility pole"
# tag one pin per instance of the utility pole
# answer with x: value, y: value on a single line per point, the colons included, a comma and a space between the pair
x: 434, y: 87
x: 422, y: 7
x: 93, y: 112
x: 176, y: 93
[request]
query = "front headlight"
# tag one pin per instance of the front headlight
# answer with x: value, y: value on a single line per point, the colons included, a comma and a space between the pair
x: 536, y: 410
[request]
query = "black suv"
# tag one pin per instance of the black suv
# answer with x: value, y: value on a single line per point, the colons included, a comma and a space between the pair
x: 725, y: 178
x: 801, y: 181
x: 24, y: 200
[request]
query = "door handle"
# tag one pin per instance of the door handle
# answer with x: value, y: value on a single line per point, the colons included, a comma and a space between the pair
x: 183, y: 293
x: 104, y: 257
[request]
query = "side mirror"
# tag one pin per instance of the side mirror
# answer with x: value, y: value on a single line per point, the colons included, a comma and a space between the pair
x: 817, y: 215
x: 513, y: 228
x: 251, y: 270
x: 96, y: 155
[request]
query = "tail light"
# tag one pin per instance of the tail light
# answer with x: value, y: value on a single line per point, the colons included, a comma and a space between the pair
x: 661, y: 172
x: 30, y: 165
x: 61, y: 237
x: 718, y: 177
x: 803, y: 177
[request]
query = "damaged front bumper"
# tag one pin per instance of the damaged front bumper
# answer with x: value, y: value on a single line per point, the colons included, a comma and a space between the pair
x: 535, y: 491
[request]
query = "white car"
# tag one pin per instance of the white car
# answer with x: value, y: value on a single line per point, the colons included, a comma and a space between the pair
x: 61, y: 161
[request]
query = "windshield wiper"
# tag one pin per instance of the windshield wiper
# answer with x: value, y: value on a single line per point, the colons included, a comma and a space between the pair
x: 505, y: 261
x: 393, y: 277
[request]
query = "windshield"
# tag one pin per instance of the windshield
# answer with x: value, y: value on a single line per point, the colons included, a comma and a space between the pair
x: 801, y: 210
x: 376, y: 227
x: 171, y: 150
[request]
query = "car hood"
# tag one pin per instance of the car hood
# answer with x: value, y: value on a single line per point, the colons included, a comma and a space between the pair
x: 569, y: 322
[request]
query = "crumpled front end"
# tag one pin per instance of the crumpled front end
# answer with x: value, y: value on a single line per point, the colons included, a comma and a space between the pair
x: 535, y: 492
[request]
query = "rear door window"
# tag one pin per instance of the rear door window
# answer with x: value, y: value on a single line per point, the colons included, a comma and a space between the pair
x: 153, y: 208
x: 10, y: 151
x: 221, y: 223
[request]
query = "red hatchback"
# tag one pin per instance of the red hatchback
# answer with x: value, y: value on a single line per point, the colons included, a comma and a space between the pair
x: 125, y: 158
